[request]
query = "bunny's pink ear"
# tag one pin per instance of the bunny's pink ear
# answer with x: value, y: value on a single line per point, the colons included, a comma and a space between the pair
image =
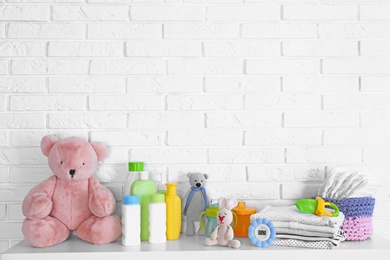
x: 47, y: 143
x: 100, y: 150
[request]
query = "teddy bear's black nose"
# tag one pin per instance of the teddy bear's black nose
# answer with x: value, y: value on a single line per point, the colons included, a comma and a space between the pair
x: 198, y: 184
x: 72, y: 172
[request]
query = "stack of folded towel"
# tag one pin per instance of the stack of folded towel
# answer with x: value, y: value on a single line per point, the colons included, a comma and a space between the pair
x: 297, y: 229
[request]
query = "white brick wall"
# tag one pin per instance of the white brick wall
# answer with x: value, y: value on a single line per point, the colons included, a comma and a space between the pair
x: 266, y: 96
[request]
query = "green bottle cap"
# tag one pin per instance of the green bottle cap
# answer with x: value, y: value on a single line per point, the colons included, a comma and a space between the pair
x: 136, y: 166
x: 157, y: 198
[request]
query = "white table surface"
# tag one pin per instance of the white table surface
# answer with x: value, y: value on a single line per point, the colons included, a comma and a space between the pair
x: 188, y: 248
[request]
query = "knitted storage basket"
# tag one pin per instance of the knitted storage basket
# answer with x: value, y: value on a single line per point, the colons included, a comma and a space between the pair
x: 358, y: 216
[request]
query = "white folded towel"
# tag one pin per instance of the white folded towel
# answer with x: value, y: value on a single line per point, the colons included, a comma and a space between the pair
x: 292, y: 215
x: 304, y: 244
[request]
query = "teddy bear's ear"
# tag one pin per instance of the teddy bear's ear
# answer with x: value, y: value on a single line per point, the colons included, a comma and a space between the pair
x: 189, y: 174
x: 47, y: 143
x: 206, y: 176
x: 100, y: 150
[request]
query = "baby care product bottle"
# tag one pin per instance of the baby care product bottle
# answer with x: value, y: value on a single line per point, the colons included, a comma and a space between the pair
x: 173, y: 212
x: 157, y: 219
x: 132, y: 176
x: 131, y: 219
x: 144, y: 188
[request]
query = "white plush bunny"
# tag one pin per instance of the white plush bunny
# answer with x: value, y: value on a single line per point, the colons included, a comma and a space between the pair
x: 223, y: 234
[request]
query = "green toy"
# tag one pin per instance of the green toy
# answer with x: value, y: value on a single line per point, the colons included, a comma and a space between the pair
x: 317, y: 207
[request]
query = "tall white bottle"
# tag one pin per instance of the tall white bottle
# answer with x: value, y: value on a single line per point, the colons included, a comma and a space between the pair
x: 132, y: 176
x: 157, y: 219
x: 131, y: 221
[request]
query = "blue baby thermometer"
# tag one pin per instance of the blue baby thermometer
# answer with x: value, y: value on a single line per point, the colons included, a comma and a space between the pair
x: 261, y: 232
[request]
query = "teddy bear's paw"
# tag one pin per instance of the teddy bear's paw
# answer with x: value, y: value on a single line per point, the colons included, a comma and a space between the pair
x: 190, y: 229
x: 102, y: 203
x: 37, y: 206
x: 44, y: 232
x: 100, y: 230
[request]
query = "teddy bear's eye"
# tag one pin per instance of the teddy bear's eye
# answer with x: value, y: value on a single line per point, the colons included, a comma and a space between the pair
x: 62, y: 162
x: 83, y: 163
x: 195, y: 180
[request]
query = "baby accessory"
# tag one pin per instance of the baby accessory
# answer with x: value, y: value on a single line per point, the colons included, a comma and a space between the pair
x: 173, y: 204
x: 144, y: 189
x: 317, y: 207
x: 223, y: 234
x: 157, y: 219
x: 131, y: 221
x: 211, y: 219
x: 294, y: 228
x: 243, y: 214
x: 358, y: 217
x: 262, y: 232
x: 196, y: 201
x: 72, y: 199
x: 132, y: 176
x: 353, y: 193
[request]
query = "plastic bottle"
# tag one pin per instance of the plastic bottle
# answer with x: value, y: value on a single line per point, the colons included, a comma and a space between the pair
x: 131, y: 219
x: 157, y: 219
x: 132, y: 176
x: 144, y: 188
x: 173, y: 212
x: 243, y: 215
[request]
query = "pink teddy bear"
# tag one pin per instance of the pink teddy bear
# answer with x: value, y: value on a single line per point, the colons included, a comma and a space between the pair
x: 72, y: 199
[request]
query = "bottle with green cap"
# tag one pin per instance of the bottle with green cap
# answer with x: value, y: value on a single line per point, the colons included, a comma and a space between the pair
x: 144, y: 188
x: 157, y: 219
x: 132, y: 176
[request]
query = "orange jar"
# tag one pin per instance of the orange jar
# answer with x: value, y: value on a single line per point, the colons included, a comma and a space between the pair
x: 243, y: 215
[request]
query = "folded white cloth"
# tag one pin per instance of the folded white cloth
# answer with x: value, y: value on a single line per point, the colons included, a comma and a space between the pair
x: 301, y: 232
x: 293, y: 231
x: 297, y: 229
x: 304, y: 244
x: 305, y: 227
x: 293, y: 218
x: 335, y: 241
